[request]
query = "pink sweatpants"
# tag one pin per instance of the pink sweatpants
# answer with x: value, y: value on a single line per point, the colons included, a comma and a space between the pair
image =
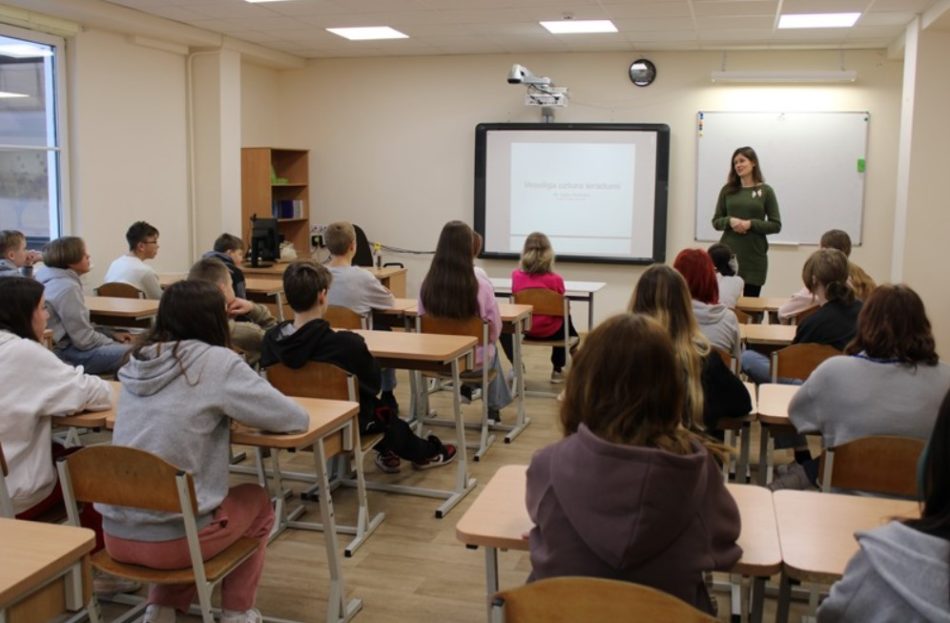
x: 245, y: 512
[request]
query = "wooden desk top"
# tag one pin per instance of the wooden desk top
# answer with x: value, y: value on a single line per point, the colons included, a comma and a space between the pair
x: 586, y: 287
x: 124, y: 308
x: 780, y: 334
x: 279, y: 267
x: 401, y: 307
x: 417, y: 346
x: 325, y: 416
x: 33, y: 552
x: 750, y: 387
x: 93, y: 419
x: 498, y: 517
x: 773, y: 403
x: 255, y: 285
x: 816, y: 530
x: 385, y: 272
x: 513, y: 313
x: 761, y: 303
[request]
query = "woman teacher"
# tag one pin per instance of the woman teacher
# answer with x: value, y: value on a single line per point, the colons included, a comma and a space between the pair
x: 746, y: 213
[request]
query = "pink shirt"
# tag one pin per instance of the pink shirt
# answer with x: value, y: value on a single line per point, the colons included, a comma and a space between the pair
x: 541, y: 325
x: 488, y: 311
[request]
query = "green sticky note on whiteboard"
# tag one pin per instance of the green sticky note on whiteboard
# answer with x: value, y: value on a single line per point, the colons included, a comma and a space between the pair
x: 861, y: 165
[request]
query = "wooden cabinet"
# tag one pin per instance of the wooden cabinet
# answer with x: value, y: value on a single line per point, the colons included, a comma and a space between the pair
x: 271, y: 177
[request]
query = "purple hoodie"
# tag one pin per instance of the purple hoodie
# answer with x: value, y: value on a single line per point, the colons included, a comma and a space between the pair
x: 630, y: 513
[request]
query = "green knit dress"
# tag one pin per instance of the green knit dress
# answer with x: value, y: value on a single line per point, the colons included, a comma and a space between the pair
x: 757, y: 204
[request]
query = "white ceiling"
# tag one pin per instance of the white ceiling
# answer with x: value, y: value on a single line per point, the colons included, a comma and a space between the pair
x: 509, y: 26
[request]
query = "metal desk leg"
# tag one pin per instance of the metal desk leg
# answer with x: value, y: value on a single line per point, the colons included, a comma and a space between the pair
x: 463, y: 484
x: 279, y: 299
x: 590, y: 312
x: 763, y: 454
x: 491, y: 577
x: 758, y: 599
x: 784, y: 597
x: 521, y: 422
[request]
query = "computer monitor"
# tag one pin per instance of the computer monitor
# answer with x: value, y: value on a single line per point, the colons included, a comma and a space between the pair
x: 265, y: 241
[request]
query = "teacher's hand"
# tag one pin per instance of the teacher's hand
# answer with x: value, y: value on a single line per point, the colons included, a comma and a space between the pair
x: 740, y: 226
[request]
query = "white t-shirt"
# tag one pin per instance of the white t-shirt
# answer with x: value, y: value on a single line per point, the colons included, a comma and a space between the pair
x: 133, y: 271
x: 357, y: 289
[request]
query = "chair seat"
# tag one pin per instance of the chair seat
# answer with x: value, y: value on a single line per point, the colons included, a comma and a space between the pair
x: 215, y: 568
x: 369, y: 441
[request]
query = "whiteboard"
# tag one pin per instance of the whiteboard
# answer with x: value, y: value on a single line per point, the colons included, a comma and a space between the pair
x: 814, y: 161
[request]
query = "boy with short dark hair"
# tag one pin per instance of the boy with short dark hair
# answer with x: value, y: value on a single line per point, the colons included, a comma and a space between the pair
x: 131, y: 267
x: 308, y: 337
x: 230, y: 249
x: 247, y: 333
x: 15, y: 259
x: 356, y: 288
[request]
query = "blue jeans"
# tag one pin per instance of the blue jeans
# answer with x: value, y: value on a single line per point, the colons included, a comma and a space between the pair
x: 99, y: 360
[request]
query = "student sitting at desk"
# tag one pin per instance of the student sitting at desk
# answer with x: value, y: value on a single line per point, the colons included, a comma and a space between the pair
x: 357, y: 289
x: 891, y: 383
x: 860, y: 281
x: 451, y: 289
x: 180, y: 389
x: 131, y: 267
x: 609, y: 500
x: 902, y: 571
x: 536, y: 270
x: 75, y: 340
x: 247, y: 321
x: 15, y: 259
x: 230, y: 249
x: 308, y: 337
x: 717, y: 322
x: 727, y: 266
x: 826, y: 275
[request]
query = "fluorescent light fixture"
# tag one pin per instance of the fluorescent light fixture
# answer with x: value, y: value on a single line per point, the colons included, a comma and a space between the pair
x: 9, y: 95
x: 784, y: 77
x: 24, y: 50
x: 366, y: 33
x: 575, y: 26
x: 818, y: 20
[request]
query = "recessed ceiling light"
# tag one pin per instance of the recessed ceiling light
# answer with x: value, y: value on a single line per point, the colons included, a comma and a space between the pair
x: 368, y: 32
x: 573, y: 26
x: 24, y: 50
x: 818, y: 20
x: 7, y: 95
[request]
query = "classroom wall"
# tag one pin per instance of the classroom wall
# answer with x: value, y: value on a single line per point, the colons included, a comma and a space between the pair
x: 260, y: 99
x: 392, y: 139
x: 127, y: 129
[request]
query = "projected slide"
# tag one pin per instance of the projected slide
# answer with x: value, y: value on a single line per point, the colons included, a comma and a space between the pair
x: 583, y: 193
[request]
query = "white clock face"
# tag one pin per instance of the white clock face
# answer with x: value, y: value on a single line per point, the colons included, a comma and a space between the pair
x: 642, y: 72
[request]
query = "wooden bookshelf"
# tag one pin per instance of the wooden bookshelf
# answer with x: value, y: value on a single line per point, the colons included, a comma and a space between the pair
x: 258, y: 192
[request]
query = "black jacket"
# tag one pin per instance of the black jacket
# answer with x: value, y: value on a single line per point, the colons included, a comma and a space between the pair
x: 834, y: 324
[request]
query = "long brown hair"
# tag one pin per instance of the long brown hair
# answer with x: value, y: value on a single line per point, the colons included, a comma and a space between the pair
x: 894, y: 325
x: 733, y: 181
x: 450, y: 289
x: 828, y: 268
x: 632, y: 395
x: 662, y: 294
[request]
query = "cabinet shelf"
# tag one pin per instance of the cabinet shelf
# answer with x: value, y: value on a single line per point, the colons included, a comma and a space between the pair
x: 259, y: 193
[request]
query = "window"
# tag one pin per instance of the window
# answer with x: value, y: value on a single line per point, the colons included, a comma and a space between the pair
x: 30, y: 135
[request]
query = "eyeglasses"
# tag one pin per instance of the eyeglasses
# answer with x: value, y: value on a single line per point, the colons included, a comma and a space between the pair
x: 150, y: 241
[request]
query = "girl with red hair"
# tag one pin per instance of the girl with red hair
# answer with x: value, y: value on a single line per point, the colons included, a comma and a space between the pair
x: 716, y: 321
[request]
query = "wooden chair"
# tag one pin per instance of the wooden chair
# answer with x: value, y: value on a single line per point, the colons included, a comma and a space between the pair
x: 120, y: 290
x: 6, y: 503
x: 137, y: 479
x: 482, y: 377
x: 881, y: 464
x: 729, y: 359
x: 346, y: 318
x: 547, y: 303
x: 325, y: 380
x: 742, y: 316
x: 570, y: 599
x: 798, y: 361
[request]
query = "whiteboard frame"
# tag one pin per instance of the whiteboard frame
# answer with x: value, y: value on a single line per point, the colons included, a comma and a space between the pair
x: 703, y: 208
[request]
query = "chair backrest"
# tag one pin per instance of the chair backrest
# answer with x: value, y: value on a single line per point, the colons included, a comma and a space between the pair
x: 122, y: 476
x: 364, y: 251
x: 545, y: 302
x: 743, y: 317
x: 6, y: 504
x: 805, y: 313
x: 119, y: 289
x: 473, y: 327
x: 881, y: 464
x: 727, y: 358
x: 315, y: 379
x: 570, y: 599
x: 344, y: 318
x: 798, y: 361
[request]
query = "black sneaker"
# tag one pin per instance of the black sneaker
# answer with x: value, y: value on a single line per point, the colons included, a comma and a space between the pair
x: 494, y: 416
x: 445, y: 456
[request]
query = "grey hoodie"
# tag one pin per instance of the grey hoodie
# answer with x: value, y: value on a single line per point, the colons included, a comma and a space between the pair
x: 900, y: 574
x: 719, y: 324
x: 177, y: 401
x: 9, y: 269
x: 68, y: 314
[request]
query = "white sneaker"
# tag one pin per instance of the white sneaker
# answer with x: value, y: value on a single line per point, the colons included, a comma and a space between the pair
x: 159, y: 614
x: 248, y: 616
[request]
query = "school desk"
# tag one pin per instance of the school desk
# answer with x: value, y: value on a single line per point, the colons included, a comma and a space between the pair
x: 768, y: 334
x: 115, y: 311
x: 773, y: 402
x: 760, y: 304
x: 498, y: 519
x: 45, y: 570
x: 573, y: 290
x: 428, y: 352
x: 88, y: 419
x: 741, y: 427
x: 816, y: 533
x: 259, y: 289
x: 393, y: 277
